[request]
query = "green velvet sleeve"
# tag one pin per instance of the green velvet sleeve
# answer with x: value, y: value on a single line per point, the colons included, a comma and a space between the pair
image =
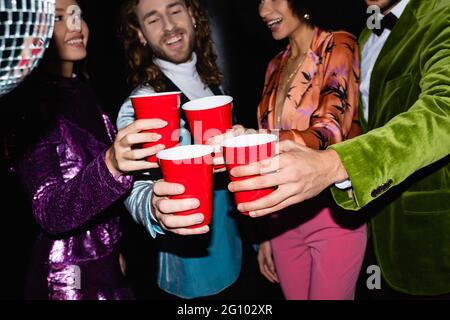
x: 410, y: 141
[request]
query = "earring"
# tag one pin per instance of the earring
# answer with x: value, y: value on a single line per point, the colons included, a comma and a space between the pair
x: 195, y: 26
x: 306, y: 16
x: 144, y: 44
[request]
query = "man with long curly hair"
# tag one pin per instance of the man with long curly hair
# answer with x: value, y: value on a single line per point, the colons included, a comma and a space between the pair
x: 169, y: 48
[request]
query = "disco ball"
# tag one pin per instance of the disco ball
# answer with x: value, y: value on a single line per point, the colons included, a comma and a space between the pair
x: 26, y: 27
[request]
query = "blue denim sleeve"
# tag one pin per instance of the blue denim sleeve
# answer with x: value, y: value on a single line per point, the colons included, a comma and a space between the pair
x: 138, y: 204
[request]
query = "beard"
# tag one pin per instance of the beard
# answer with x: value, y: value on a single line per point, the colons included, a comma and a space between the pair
x: 160, y: 53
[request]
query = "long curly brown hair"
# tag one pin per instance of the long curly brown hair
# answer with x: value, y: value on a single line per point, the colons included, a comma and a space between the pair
x: 140, y: 58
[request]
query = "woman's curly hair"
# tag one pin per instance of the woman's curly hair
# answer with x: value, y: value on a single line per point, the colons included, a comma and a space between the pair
x: 326, y: 15
x: 140, y: 58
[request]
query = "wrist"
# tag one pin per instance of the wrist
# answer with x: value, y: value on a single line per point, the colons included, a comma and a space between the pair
x: 109, y: 160
x: 153, y: 208
x: 335, y: 168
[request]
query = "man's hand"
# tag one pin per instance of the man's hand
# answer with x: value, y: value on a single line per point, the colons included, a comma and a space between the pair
x: 164, y: 209
x: 299, y: 172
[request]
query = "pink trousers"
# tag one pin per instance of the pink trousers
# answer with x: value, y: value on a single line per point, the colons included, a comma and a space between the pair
x: 318, y: 259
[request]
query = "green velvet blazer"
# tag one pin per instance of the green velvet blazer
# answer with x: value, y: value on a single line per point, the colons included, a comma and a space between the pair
x: 400, y: 168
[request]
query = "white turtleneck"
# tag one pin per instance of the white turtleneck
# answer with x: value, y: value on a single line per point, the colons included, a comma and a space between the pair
x: 185, y: 77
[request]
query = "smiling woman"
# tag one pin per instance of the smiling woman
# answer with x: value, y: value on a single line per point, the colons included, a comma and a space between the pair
x: 70, y: 37
x: 74, y: 169
x: 311, y: 97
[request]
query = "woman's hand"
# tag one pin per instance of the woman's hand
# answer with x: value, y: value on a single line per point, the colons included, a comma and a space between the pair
x: 121, y: 157
x: 164, y: 209
x: 265, y: 261
x: 216, y: 143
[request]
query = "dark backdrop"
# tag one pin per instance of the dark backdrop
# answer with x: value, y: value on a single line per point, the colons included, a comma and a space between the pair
x: 245, y: 47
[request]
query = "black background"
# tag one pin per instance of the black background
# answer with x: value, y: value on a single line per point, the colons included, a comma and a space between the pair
x: 245, y: 47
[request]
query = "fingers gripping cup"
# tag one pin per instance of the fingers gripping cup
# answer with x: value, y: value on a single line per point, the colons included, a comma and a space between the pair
x: 164, y: 106
x: 246, y: 149
x: 209, y: 117
x: 192, y: 167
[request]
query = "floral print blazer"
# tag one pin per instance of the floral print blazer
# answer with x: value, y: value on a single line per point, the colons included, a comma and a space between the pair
x: 321, y: 105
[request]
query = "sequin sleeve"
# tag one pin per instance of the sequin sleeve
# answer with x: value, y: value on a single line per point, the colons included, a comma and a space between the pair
x: 61, y: 205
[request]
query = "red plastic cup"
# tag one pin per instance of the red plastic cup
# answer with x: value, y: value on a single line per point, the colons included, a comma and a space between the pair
x: 246, y: 149
x: 192, y: 167
x: 164, y: 106
x: 209, y: 117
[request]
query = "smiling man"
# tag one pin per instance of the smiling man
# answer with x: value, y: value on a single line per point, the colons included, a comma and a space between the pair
x: 169, y: 48
x: 167, y: 28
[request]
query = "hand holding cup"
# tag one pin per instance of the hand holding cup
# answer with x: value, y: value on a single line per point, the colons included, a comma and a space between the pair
x: 188, y: 184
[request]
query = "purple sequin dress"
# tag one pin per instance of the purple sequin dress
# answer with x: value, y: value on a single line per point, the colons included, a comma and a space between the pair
x: 74, y: 198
